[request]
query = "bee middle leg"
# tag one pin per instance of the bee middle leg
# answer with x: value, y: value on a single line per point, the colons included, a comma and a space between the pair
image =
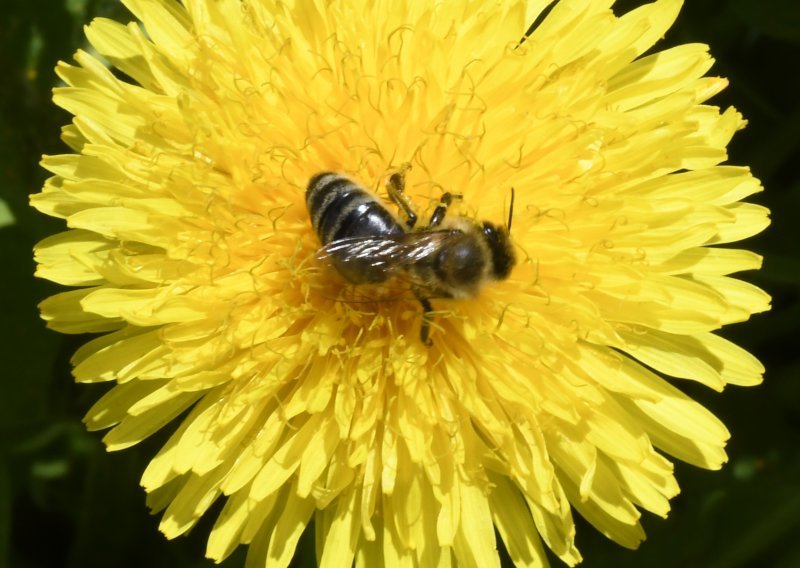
x: 441, y: 209
x: 425, y: 328
x: 396, y: 186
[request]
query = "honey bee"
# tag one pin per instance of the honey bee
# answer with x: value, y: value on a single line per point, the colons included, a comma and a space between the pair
x: 450, y: 257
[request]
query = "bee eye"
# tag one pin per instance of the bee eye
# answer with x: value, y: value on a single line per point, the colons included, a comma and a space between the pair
x: 503, y: 258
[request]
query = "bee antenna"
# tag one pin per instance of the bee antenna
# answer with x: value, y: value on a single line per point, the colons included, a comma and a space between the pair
x: 510, y: 211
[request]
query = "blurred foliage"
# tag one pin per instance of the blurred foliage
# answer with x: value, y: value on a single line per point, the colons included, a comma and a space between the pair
x: 65, y: 502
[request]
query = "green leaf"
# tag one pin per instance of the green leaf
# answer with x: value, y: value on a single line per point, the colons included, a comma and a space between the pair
x: 6, y: 216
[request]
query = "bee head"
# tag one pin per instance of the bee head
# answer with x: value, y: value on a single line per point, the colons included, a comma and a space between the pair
x: 503, y: 257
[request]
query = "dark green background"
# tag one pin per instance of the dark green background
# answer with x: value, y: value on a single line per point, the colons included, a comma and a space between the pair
x: 65, y: 502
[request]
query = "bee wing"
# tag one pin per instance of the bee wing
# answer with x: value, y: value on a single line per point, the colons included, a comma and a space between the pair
x: 360, y: 253
x: 422, y: 245
x: 384, y: 251
x: 395, y: 259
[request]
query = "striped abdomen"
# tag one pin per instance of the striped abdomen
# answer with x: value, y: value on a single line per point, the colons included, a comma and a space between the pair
x: 342, y: 209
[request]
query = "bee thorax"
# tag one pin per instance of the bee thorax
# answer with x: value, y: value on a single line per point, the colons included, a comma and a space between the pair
x: 461, y: 267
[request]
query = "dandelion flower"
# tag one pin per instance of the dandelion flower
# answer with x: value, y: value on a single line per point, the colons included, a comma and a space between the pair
x: 554, y: 392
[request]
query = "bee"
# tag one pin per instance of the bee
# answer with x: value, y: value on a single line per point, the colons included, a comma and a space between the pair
x: 450, y: 257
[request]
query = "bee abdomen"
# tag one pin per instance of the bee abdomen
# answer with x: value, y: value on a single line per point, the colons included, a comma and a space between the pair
x: 340, y: 208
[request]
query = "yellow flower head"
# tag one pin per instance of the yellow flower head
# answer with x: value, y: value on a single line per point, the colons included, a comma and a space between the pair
x: 302, y: 396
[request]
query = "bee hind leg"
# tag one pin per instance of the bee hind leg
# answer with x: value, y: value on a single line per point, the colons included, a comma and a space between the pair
x: 396, y: 186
